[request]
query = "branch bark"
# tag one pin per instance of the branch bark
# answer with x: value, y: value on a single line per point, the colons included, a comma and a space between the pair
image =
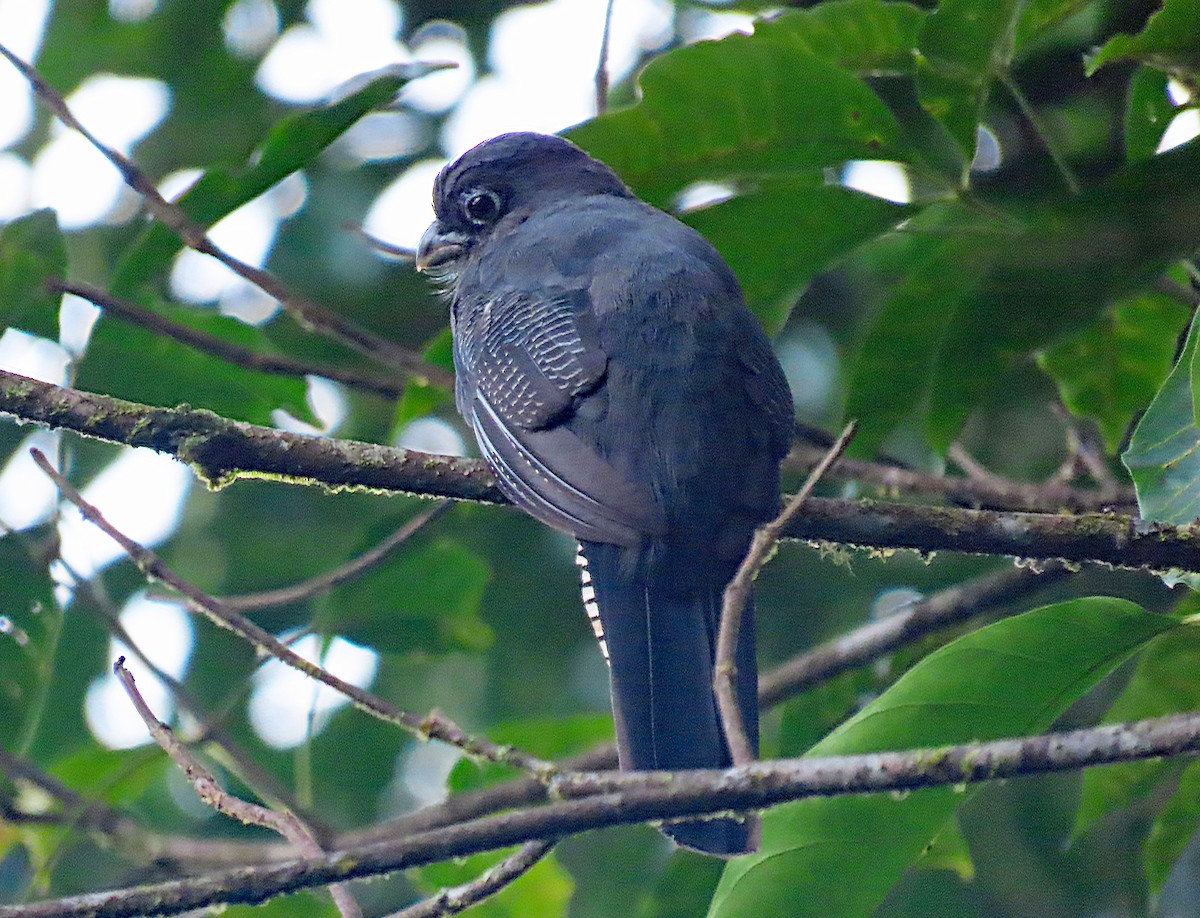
x: 220, y: 451
x: 615, y: 798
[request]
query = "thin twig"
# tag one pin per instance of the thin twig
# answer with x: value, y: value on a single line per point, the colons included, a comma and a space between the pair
x: 282, y: 365
x: 433, y: 726
x: 621, y: 798
x: 1035, y: 121
x: 460, y: 898
x: 355, y: 567
x: 194, y: 236
x: 209, y: 790
x: 382, y: 246
x: 602, y: 64
x: 734, y: 601
x: 996, y: 493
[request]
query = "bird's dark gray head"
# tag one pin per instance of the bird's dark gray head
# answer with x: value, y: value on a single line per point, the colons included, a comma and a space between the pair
x: 500, y: 183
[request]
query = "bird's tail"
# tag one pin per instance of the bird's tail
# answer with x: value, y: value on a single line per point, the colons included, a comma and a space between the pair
x: 660, y: 640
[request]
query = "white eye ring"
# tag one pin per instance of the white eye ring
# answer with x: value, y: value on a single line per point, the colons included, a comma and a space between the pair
x: 481, y: 206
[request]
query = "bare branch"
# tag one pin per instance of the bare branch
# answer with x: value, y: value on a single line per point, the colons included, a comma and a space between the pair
x: 618, y: 798
x: 460, y: 898
x: 353, y: 568
x: 376, y: 383
x: 996, y: 493
x: 209, y: 790
x: 194, y: 236
x: 434, y: 726
x: 734, y: 601
x: 220, y: 451
x: 601, y: 78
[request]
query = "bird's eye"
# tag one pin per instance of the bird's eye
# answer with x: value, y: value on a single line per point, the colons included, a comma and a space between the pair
x: 481, y: 207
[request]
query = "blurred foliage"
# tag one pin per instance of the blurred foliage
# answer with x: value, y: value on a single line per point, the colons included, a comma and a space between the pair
x: 1053, y: 274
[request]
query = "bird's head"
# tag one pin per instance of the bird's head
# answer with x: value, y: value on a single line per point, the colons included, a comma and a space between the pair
x: 498, y: 184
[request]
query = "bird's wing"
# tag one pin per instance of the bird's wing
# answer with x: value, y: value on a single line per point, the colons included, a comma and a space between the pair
x: 533, y: 358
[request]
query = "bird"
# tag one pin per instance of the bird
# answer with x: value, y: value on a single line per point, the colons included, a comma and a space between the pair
x: 622, y: 392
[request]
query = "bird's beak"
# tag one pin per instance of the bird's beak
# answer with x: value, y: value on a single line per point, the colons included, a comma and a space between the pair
x: 439, y: 246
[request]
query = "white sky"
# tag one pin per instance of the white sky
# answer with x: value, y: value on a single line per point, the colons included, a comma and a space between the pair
x: 541, y: 67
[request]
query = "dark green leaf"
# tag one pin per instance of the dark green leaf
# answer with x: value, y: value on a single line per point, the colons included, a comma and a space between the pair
x: 1149, y: 112
x: 144, y: 366
x: 426, y: 599
x: 763, y: 251
x: 1110, y: 371
x: 1170, y: 41
x: 291, y: 144
x: 30, y: 622
x: 31, y: 252
x: 421, y: 397
x: 1039, y: 15
x: 980, y: 289
x: 963, y: 45
x: 1166, y: 681
x: 869, y: 37
x: 730, y: 111
x: 1164, y: 453
x: 840, y: 855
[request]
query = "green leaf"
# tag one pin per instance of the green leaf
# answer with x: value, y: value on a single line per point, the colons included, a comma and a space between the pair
x: 685, y: 888
x: 1039, y: 15
x: 772, y: 269
x: 1110, y: 370
x: 421, y: 397
x: 1148, y: 113
x: 31, y: 252
x: 30, y: 622
x: 291, y: 144
x: 1167, y: 680
x: 115, y: 776
x: 425, y: 599
x: 963, y: 45
x: 972, y: 291
x: 304, y: 904
x: 1164, y: 453
x: 1170, y: 41
x: 840, y: 855
x: 868, y: 37
x: 729, y: 110
x: 145, y: 366
x: 543, y: 891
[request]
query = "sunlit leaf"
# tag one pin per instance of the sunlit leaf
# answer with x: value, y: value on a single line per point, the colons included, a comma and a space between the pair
x: 31, y: 252
x: 840, y: 855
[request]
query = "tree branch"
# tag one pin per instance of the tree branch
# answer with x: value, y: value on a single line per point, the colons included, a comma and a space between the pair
x: 194, y: 236
x: 460, y: 898
x: 618, y: 798
x: 209, y: 790
x: 433, y: 726
x: 220, y: 451
x: 279, y: 364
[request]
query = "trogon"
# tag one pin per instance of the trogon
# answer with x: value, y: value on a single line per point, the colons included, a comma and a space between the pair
x: 621, y: 392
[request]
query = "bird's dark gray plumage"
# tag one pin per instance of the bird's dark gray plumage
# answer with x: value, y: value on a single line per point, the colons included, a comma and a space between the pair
x: 621, y: 392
